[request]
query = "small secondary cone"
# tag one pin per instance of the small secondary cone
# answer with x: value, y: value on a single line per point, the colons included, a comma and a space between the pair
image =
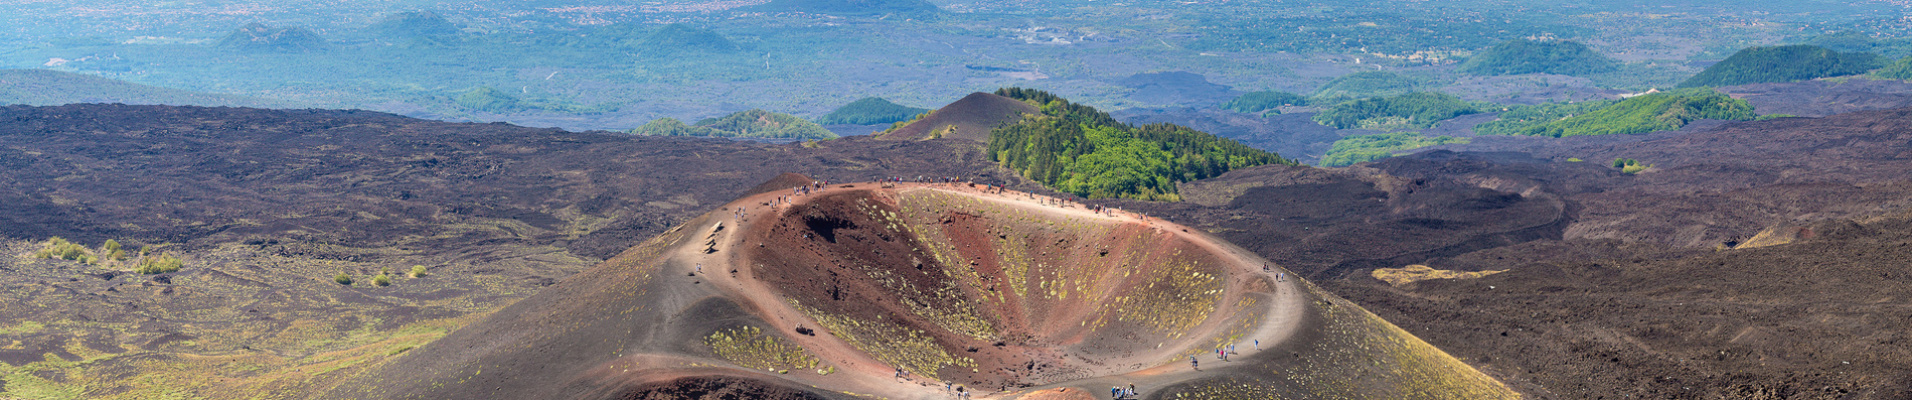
x: 910, y: 291
x: 969, y: 118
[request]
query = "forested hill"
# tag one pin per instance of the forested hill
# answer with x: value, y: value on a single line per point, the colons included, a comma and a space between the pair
x: 1077, y: 149
x: 1640, y: 114
x: 1521, y: 56
x: 871, y: 110
x: 1783, y: 64
x: 757, y: 124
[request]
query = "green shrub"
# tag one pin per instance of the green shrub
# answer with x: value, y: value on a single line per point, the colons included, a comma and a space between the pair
x: 160, y: 264
x: 382, y: 280
x: 418, y: 271
x: 1629, y: 166
x: 59, y: 248
x: 342, y: 279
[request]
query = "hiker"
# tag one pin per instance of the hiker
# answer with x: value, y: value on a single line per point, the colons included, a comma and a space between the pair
x: 1115, y: 392
x: 1132, y: 392
x: 1257, y: 344
x: 1193, y: 363
x: 1281, y: 277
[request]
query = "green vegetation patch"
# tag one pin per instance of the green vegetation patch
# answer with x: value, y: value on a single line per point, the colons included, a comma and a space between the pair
x: 1783, y: 64
x: 1367, y: 84
x: 1515, y: 120
x: 1364, y: 148
x: 1900, y: 70
x: 1419, y: 109
x: 871, y: 110
x: 1263, y: 101
x: 1641, y: 114
x: 743, y: 124
x: 484, y: 98
x: 1522, y: 56
x: 1075, y: 148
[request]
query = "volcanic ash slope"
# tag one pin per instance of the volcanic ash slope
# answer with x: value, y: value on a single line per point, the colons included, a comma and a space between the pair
x: 829, y: 294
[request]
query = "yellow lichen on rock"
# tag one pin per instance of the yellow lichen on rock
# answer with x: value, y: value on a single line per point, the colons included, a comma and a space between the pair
x: 749, y: 347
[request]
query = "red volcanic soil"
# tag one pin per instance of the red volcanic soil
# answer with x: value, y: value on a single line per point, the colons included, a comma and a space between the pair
x: 907, y: 290
x: 973, y: 117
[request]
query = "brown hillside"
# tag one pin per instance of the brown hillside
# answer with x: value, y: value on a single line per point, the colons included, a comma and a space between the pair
x: 1618, y: 285
x: 972, y: 118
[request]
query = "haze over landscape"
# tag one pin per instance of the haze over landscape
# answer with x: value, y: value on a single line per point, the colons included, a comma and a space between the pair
x: 949, y: 199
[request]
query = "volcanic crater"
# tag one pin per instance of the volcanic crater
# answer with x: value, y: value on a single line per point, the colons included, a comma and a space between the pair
x: 924, y: 290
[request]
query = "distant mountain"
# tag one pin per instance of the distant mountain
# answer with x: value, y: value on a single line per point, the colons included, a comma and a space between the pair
x: 870, y: 110
x: 40, y: 87
x: 744, y: 124
x: 675, y: 38
x: 1521, y: 56
x: 868, y: 8
x: 259, y: 37
x: 416, y: 25
x: 1783, y: 64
